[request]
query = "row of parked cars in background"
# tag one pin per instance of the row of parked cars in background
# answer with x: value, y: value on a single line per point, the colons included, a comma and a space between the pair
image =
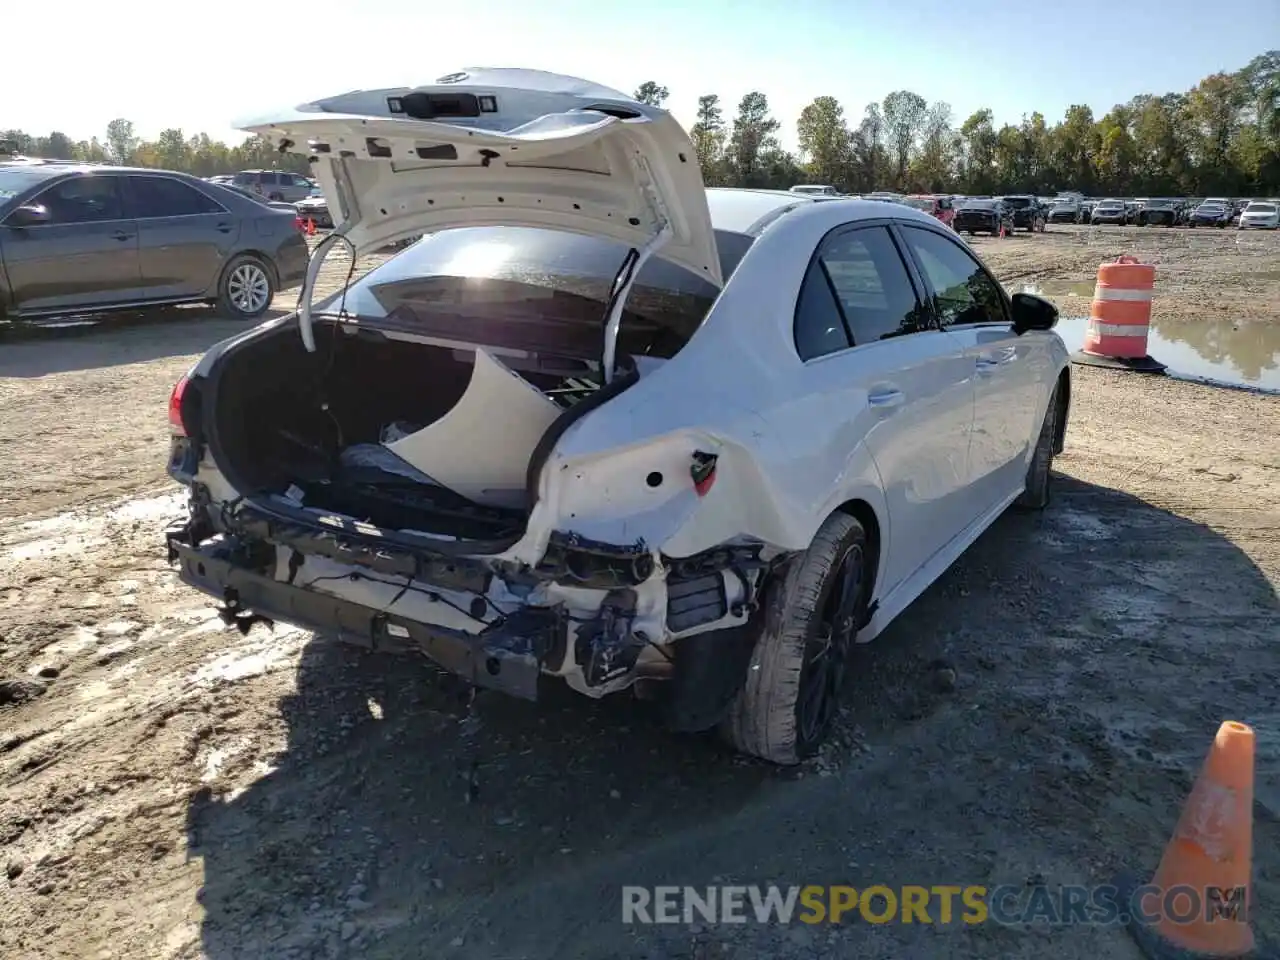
x: 1033, y: 213
x: 1219, y: 212
x: 281, y: 188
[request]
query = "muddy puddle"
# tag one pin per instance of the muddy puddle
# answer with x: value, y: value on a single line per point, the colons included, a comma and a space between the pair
x: 1244, y: 354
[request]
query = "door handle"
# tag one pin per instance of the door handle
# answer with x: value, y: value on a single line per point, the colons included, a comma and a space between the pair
x: 988, y: 362
x: 884, y: 397
x: 224, y: 228
x: 121, y: 235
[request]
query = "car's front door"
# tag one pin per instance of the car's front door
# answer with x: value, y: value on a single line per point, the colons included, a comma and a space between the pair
x: 862, y: 325
x: 84, y: 256
x: 1009, y: 372
x: 184, y: 236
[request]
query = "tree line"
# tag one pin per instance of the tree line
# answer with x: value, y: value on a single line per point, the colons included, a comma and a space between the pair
x: 1221, y: 137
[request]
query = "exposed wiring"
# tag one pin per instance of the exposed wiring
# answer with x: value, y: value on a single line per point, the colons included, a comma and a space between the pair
x: 406, y: 587
x: 323, y: 375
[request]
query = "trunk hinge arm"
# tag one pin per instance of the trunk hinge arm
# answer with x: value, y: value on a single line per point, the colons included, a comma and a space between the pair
x: 305, y: 295
x: 630, y: 269
x: 308, y: 290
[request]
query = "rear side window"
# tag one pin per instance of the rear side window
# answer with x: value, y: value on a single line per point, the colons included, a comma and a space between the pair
x: 152, y: 197
x: 819, y: 327
x: 857, y: 290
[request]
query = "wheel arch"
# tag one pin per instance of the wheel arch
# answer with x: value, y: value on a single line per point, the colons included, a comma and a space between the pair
x: 865, y: 514
x: 1064, y: 409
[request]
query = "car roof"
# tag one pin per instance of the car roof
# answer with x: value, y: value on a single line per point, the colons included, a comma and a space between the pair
x: 57, y: 167
x: 749, y: 211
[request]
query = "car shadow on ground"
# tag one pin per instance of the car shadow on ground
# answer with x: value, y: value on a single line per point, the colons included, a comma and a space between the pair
x: 39, y: 349
x: 1061, y: 745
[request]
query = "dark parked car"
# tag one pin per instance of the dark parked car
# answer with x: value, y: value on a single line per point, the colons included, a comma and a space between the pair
x: 275, y: 184
x: 1027, y: 212
x: 1115, y: 212
x: 90, y: 239
x: 1158, y: 212
x: 982, y: 216
x: 1065, y: 210
x: 1211, y: 213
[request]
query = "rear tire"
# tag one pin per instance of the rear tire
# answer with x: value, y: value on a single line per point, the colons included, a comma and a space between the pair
x: 811, y: 615
x: 246, y: 288
x: 1036, y: 494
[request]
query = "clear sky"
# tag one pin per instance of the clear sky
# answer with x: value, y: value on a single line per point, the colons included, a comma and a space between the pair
x: 77, y: 65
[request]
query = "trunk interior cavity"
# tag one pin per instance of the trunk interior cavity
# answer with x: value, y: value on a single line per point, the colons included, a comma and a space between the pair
x: 318, y: 427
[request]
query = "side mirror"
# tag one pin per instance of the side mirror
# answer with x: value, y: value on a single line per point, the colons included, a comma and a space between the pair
x: 1032, y: 313
x: 29, y: 215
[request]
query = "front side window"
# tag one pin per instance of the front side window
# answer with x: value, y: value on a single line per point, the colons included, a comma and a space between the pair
x: 963, y: 292
x: 87, y: 199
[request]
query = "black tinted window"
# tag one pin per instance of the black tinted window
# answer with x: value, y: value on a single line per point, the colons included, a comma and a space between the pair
x: 963, y: 292
x: 819, y: 327
x: 88, y: 199
x: 165, y: 197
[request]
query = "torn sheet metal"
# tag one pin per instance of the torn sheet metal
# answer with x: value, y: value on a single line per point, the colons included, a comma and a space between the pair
x: 481, y: 448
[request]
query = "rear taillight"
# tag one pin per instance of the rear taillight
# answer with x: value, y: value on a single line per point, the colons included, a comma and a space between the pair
x: 176, y: 426
x: 703, y: 472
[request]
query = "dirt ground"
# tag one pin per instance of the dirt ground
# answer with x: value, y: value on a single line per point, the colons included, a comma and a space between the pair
x: 172, y: 789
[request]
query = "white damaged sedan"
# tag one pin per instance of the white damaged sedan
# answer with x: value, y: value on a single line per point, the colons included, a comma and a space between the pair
x: 602, y: 423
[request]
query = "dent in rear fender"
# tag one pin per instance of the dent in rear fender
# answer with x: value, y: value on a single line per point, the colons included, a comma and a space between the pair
x: 643, y: 493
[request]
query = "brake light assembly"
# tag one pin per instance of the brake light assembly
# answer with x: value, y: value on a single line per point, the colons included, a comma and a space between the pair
x: 703, y: 472
x: 176, y: 426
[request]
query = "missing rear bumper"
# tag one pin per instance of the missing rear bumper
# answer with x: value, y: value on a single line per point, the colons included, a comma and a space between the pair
x: 506, y: 656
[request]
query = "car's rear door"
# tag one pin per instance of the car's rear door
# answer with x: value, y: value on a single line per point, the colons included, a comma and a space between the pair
x: 1009, y: 371
x: 861, y: 323
x: 85, y: 256
x: 184, y: 236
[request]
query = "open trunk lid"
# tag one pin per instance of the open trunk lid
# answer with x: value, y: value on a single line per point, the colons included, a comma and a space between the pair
x: 494, y: 147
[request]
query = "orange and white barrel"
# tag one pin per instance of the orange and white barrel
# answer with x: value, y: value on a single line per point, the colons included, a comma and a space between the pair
x: 1120, y: 318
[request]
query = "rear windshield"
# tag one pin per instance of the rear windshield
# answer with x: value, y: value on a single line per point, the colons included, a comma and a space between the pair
x: 977, y: 204
x: 1017, y: 202
x: 1111, y: 205
x: 527, y: 288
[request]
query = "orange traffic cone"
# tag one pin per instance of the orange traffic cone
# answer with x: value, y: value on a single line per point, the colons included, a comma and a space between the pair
x: 311, y: 227
x: 1197, y: 904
